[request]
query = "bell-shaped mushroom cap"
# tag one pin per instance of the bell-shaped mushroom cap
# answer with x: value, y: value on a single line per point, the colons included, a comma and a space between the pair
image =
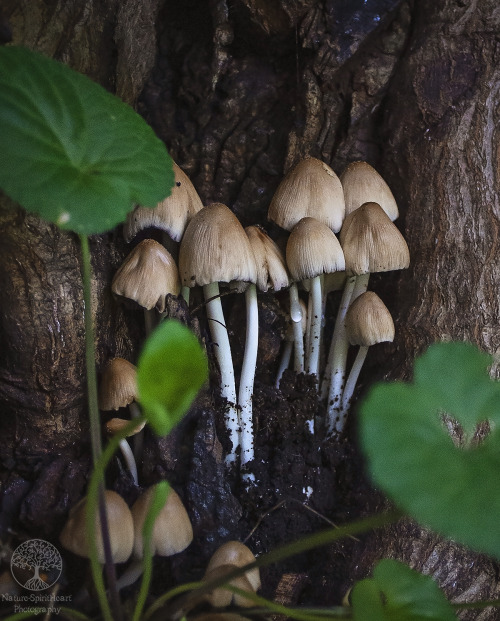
x: 313, y: 249
x: 310, y: 189
x: 215, y: 248
x: 115, y: 425
x: 372, y: 243
x: 118, y: 385
x: 363, y: 184
x: 368, y: 321
x: 237, y: 554
x: 121, y: 529
x: 147, y: 275
x: 172, y: 532
x: 220, y: 598
x: 269, y: 260
x: 171, y: 215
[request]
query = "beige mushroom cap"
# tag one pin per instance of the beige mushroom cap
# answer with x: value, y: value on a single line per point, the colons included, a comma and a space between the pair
x: 310, y: 189
x: 121, y: 529
x: 215, y: 248
x: 371, y: 242
x: 313, y: 249
x: 368, y: 321
x: 237, y: 554
x: 147, y: 275
x: 220, y: 598
x: 225, y: 559
x: 172, y: 532
x: 115, y: 425
x: 118, y: 386
x: 363, y: 184
x: 269, y: 260
x: 171, y: 215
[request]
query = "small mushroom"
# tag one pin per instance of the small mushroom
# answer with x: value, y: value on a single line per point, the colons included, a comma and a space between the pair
x: 73, y: 536
x: 172, y: 532
x: 368, y: 322
x: 229, y: 556
x: 147, y: 275
x: 116, y: 425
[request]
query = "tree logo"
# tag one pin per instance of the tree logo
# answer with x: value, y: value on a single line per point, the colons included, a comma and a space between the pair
x: 36, y: 564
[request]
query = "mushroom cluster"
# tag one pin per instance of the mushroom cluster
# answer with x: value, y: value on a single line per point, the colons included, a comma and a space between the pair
x: 340, y: 229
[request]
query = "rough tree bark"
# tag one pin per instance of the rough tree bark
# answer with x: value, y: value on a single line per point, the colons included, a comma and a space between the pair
x: 240, y: 91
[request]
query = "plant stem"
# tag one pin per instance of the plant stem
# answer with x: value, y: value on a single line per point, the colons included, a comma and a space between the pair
x: 95, y: 440
x: 350, y: 385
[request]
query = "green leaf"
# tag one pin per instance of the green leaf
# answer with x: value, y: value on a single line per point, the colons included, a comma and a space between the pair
x: 72, y: 152
x: 171, y: 370
x: 412, y: 458
x: 398, y: 593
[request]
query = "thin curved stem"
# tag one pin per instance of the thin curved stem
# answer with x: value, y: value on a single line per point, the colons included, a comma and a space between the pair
x: 338, y: 356
x: 128, y: 456
x: 350, y: 385
x: 247, y: 378
x: 286, y: 356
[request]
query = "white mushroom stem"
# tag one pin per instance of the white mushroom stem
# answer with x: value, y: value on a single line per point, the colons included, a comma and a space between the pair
x: 312, y: 357
x: 337, y: 358
x: 296, y: 317
x: 185, y: 294
x: 247, y: 379
x: 128, y: 456
x: 360, y: 286
x: 349, y: 388
x: 135, y: 412
x: 286, y: 356
x: 224, y: 358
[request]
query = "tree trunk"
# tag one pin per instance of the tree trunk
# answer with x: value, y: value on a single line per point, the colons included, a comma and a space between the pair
x: 239, y: 92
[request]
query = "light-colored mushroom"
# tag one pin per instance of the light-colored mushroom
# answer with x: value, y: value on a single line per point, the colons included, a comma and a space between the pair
x: 216, y: 249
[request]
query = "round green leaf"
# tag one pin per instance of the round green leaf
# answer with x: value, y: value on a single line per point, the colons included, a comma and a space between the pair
x: 451, y: 489
x: 171, y: 370
x: 398, y: 593
x: 72, y: 152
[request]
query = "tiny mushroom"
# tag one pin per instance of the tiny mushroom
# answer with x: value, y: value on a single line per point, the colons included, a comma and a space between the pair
x: 271, y: 273
x: 170, y: 215
x: 148, y: 274
x: 172, y: 531
x: 73, y: 536
x: 312, y: 250
x: 118, y: 389
x: 371, y: 243
x: 368, y: 322
x: 116, y: 425
x: 229, y: 556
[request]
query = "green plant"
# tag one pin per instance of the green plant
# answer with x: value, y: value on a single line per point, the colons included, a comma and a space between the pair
x: 89, y: 158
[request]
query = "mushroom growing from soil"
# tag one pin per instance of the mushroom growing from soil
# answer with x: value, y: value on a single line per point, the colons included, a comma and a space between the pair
x: 115, y: 425
x: 368, y: 322
x: 147, y: 275
x: 371, y: 243
x: 172, y: 531
x: 310, y: 189
x: 229, y: 556
x: 73, y: 536
x: 312, y: 250
x: 216, y: 249
x: 118, y: 389
x: 271, y: 273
